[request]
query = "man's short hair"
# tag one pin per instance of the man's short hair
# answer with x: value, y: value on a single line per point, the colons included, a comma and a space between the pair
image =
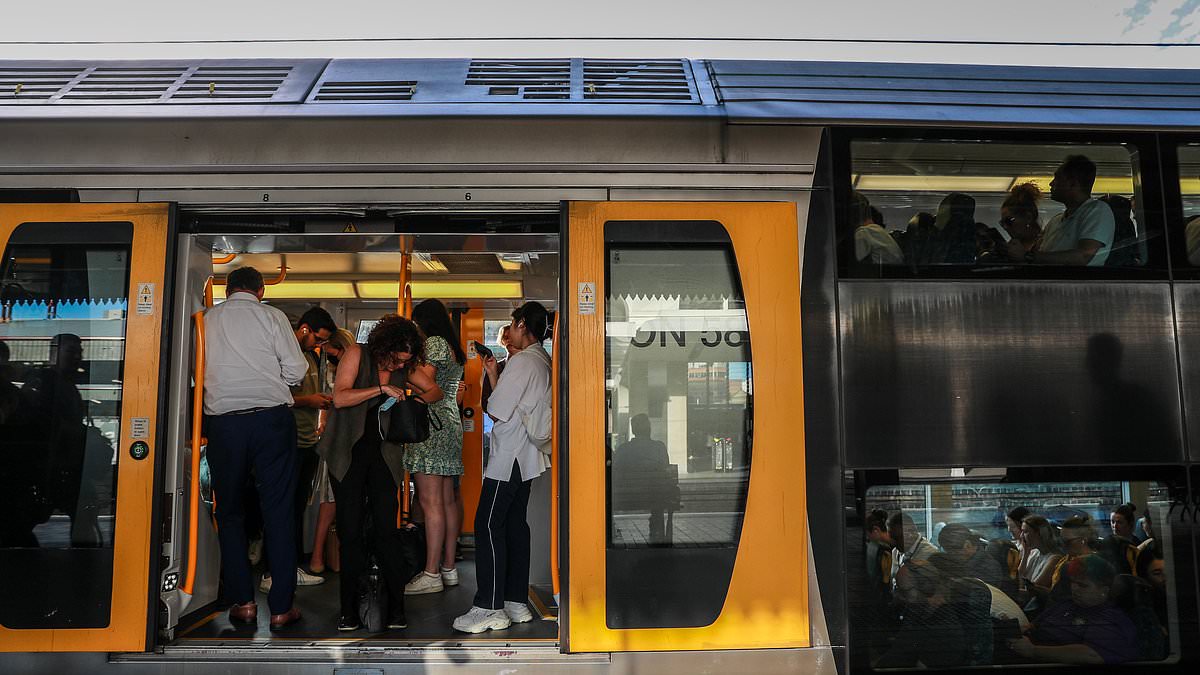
x: 954, y: 535
x: 1080, y: 169
x: 877, y: 518
x: 244, y: 279
x: 640, y: 424
x: 317, y: 319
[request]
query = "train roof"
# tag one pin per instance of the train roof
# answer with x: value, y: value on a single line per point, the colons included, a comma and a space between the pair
x: 803, y: 92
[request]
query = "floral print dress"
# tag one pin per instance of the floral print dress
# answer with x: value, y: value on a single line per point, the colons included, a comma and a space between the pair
x: 441, y: 453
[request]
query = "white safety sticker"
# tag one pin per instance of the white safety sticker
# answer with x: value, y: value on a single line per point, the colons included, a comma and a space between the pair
x: 470, y: 349
x: 145, y: 298
x: 587, y: 297
x: 468, y: 426
x: 139, y: 427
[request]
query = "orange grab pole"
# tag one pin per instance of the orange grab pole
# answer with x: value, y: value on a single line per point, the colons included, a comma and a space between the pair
x: 224, y: 259
x: 208, y: 292
x: 554, y: 457
x: 266, y: 282
x: 197, y: 441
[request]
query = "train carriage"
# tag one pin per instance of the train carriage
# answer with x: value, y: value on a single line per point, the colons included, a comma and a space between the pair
x: 697, y: 227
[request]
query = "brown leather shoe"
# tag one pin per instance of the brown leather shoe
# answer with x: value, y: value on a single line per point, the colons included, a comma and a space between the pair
x: 281, y: 620
x: 247, y: 613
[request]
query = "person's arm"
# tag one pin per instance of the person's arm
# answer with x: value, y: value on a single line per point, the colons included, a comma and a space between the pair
x: 423, y: 379
x: 292, y: 364
x: 1080, y: 654
x: 1045, y: 578
x: 344, y: 393
x: 1081, y: 255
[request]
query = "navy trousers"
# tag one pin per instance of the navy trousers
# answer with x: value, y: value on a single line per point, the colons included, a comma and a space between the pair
x: 502, y: 541
x: 266, y: 441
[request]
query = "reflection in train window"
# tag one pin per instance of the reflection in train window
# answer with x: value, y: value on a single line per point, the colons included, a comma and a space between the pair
x: 62, y: 323
x: 932, y: 207
x: 1189, y: 186
x: 976, y: 574
x: 678, y: 394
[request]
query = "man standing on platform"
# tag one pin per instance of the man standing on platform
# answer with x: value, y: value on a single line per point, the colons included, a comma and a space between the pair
x: 253, y: 359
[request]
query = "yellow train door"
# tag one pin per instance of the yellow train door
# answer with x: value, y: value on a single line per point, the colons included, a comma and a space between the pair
x: 685, y: 452
x: 81, y: 321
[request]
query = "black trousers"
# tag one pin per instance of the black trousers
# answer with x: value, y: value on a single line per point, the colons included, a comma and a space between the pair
x: 266, y: 441
x: 502, y: 541
x: 368, y: 486
x: 307, y: 461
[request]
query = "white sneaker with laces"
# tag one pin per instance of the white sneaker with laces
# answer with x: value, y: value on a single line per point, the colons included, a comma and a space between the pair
x: 450, y: 577
x: 305, y: 579
x: 518, y: 611
x: 478, y: 619
x: 424, y: 583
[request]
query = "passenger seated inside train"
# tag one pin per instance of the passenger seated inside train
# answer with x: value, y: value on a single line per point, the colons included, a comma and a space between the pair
x: 1083, y: 233
x: 968, y: 552
x: 872, y: 244
x: 1126, y: 251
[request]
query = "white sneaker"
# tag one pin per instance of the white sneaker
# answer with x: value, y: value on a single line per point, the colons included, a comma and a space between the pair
x: 518, y: 611
x: 424, y: 583
x: 479, y: 619
x: 305, y: 579
x: 450, y: 577
x: 302, y: 579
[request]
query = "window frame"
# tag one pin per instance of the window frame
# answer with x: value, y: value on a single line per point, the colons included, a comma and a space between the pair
x: 1147, y: 172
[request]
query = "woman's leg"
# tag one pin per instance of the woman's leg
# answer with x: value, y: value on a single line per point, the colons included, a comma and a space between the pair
x: 453, y: 512
x: 351, y: 495
x: 325, y: 516
x: 429, y: 487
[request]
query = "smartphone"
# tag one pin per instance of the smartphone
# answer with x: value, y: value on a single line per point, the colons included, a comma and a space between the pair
x: 483, y: 351
x: 387, y: 405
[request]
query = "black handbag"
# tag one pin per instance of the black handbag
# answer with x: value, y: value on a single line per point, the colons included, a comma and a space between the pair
x: 409, y: 421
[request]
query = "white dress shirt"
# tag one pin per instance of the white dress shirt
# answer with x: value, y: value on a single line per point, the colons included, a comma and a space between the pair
x: 524, y: 382
x: 252, y: 356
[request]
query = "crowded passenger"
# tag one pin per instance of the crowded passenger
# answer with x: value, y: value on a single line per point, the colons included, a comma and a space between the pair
x: 1020, y: 220
x: 943, y: 623
x: 519, y: 408
x: 1153, y: 569
x: 872, y: 243
x: 1088, y: 629
x: 365, y: 470
x: 436, y: 463
x: 910, y: 543
x: 326, y: 550
x: 1125, y: 250
x: 1041, y: 553
x: 879, y: 550
x: 1083, y: 233
x: 253, y: 361
x: 313, y: 330
x: 969, y: 552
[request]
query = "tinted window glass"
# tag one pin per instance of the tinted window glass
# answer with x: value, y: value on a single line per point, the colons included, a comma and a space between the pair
x: 678, y: 398
x: 933, y: 207
x: 1189, y: 186
x: 62, y: 327
x: 976, y: 574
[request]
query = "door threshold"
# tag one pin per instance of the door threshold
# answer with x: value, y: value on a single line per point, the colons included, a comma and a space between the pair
x: 349, y: 651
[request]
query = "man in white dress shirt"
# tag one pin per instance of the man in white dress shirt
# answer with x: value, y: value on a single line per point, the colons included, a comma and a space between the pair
x: 253, y: 360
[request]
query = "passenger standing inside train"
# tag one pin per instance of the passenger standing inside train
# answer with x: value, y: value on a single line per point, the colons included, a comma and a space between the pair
x: 514, y: 460
x: 252, y: 361
x: 325, y: 536
x: 1083, y: 233
x: 314, y: 329
x: 872, y: 244
x: 437, y: 462
x: 364, y: 469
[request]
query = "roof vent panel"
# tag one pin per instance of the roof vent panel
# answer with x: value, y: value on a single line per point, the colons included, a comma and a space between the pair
x: 32, y: 85
x: 366, y: 91
x: 634, y: 80
x: 243, y: 83
x: 544, y: 80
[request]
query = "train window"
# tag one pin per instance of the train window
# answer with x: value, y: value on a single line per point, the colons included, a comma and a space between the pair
x: 935, y: 208
x: 1189, y: 187
x: 1011, y: 574
x: 678, y: 398
x: 63, y: 295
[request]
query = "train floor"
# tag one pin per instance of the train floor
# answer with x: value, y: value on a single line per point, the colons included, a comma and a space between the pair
x: 429, y: 618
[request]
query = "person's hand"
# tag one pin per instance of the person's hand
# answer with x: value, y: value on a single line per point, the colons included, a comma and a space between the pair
x: 1015, y: 250
x: 489, y: 365
x: 322, y: 401
x: 1022, y: 646
x: 393, y: 391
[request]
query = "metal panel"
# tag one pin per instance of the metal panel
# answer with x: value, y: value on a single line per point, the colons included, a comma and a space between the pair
x: 1187, y: 312
x: 1008, y: 374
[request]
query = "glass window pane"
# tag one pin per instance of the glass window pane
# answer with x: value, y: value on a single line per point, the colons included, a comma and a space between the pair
x: 930, y: 206
x: 679, y: 389
x: 973, y: 574
x: 62, y: 326
x: 1189, y: 187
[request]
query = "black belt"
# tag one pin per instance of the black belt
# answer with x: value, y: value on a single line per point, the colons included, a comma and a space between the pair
x: 247, y: 411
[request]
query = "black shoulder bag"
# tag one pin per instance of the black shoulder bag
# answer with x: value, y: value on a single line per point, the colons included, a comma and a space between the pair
x: 409, y: 421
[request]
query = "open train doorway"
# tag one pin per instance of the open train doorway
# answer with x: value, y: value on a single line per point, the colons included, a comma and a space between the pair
x: 360, y: 269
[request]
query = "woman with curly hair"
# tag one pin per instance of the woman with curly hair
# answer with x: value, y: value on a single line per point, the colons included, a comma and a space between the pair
x: 364, y: 470
x: 1019, y: 218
